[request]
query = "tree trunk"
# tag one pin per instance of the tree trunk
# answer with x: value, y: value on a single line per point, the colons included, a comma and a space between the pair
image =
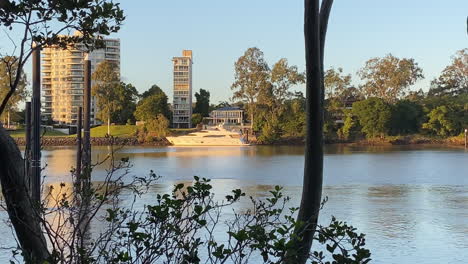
x: 108, y: 125
x: 314, y: 33
x: 22, y: 212
x: 251, y: 120
x: 8, y: 119
x: 313, y: 166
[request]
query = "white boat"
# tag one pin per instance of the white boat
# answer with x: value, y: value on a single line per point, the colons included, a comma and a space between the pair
x: 213, y: 136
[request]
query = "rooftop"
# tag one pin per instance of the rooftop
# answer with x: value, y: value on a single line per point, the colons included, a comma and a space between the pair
x: 229, y: 108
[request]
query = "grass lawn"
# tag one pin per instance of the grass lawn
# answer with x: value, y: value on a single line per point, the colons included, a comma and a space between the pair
x: 116, y: 131
x: 100, y: 131
x: 49, y: 133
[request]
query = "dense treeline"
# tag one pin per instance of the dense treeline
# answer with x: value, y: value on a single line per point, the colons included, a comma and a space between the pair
x: 381, y: 105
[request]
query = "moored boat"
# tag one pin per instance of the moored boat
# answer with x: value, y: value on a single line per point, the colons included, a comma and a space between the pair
x: 212, y: 136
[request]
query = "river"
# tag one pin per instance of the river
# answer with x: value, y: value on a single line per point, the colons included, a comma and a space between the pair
x: 410, y: 201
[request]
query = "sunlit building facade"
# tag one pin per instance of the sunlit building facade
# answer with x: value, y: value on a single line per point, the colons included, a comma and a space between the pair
x: 63, y: 79
x: 182, y: 103
x: 227, y: 116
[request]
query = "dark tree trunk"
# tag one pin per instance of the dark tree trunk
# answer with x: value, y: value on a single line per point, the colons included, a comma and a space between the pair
x: 315, y: 28
x: 21, y: 210
x: 313, y: 166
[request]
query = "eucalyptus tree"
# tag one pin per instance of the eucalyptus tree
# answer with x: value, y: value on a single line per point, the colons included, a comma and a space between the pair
x: 251, y: 79
x: 21, y: 91
x: 454, y: 78
x: 389, y: 77
x: 106, y: 88
x: 30, y: 26
x: 283, y: 76
x: 336, y: 82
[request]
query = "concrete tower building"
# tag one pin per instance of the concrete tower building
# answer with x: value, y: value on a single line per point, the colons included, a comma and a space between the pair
x: 182, y: 104
x: 63, y: 79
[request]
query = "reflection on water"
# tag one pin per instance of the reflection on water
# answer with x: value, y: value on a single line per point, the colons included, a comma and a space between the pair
x: 412, y: 202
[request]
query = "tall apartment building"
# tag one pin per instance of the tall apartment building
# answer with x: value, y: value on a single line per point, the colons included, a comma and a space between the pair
x: 63, y: 79
x: 182, y: 104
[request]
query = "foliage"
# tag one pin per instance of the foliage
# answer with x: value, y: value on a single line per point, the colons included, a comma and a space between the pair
x: 350, y: 128
x: 8, y: 66
x: 31, y: 26
x: 389, y: 77
x: 336, y: 83
x: 282, y: 78
x: 271, y: 130
x: 183, y: 226
x: 128, y: 96
x: 202, y: 104
x: 197, y: 119
x: 251, y: 79
x: 333, y: 111
x: 149, y: 107
x: 154, y: 89
x: 374, y: 116
x: 159, y: 126
x: 407, y: 117
x: 293, y: 121
x: 106, y: 90
x: 268, y: 96
x: 447, y: 120
x: 190, y: 217
x: 220, y: 105
x: 45, y: 22
x: 454, y: 78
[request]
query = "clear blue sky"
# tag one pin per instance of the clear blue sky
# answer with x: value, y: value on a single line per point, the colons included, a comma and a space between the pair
x: 218, y: 32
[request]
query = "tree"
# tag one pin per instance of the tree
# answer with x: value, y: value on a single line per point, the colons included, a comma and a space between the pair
x: 351, y: 95
x: 196, y: 119
x: 221, y: 105
x: 155, y: 89
x: 389, y: 77
x: 21, y: 92
x: 202, y: 104
x: 251, y: 79
x: 159, y: 125
x: 149, y: 107
x: 41, y: 22
x: 454, y: 78
x: 128, y: 95
x: 336, y: 82
x: 333, y: 111
x: 350, y: 128
x: 293, y: 119
x: 315, y: 29
x: 406, y: 117
x: 374, y: 116
x: 282, y: 78
x: 447, y: 120
x: 106, y: 91
x: 270, y: 110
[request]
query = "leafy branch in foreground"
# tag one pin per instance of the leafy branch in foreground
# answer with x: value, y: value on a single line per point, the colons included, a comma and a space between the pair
x: 188, y: 225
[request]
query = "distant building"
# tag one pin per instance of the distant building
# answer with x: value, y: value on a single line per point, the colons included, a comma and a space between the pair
x: 229, y: 115
x: 63, y: 78
x: 182, y: 103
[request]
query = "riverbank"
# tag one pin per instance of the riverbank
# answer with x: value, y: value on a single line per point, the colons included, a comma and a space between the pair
x: 290, y: 141
x: 387, y: 141
x: 96, y: 141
